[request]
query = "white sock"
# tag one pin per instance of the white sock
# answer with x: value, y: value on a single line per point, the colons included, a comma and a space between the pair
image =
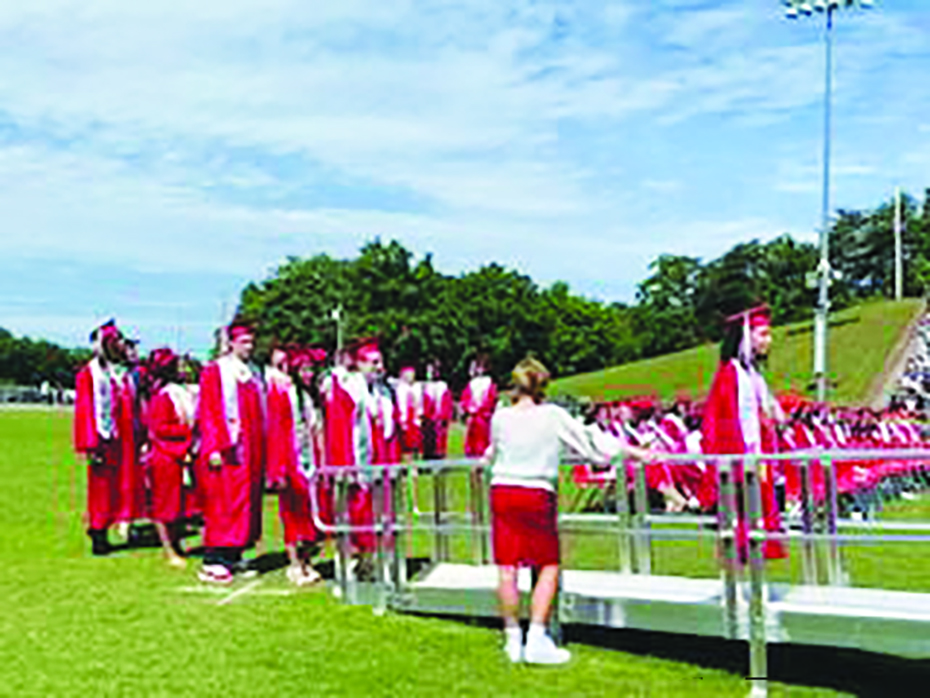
x: 537, y: 632
x: 514, y: 634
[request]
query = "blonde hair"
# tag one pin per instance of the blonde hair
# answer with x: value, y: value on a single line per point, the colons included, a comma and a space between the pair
x: 530, y: 377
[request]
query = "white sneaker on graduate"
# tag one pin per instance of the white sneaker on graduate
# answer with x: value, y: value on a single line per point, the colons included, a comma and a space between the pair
x: 308, y: 577
x: 540, y: 649
x: 294, y: 574
x: 215, y: 574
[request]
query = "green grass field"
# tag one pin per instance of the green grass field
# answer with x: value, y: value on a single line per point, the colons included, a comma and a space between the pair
x: 128, y: 625
x: 862, y: 340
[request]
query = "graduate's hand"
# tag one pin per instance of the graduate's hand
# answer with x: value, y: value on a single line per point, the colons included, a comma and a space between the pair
x: 215, y: 460
x: 640, y: 454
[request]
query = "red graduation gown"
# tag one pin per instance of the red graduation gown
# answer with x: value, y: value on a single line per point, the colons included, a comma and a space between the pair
x: 723, y: 434
x: 232, y: 510
x: 478, y: 408
x: 283, y: 463
x: 104, y: 455
x: 340, y: 436
x: 131, y: 476
x: 170, y: 442
x: 410, y: 414
x: 437, y: 413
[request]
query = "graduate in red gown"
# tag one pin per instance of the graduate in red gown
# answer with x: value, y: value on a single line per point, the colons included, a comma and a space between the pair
x: 437, y: 413
x: 232, y: 454
x: 133, y: 436
x: 347, y: 430
x: 410, y: 411
x: 170, y: 428
x: 294, y: 440
x: 97, y: 435
x: 740, y: 417
x: 479, y: 400
x: 408, y: 394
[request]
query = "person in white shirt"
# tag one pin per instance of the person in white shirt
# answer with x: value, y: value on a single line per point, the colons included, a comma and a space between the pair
x: 524, y: 454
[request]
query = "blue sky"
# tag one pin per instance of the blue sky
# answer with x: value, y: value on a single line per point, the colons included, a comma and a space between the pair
x: 157, y: 155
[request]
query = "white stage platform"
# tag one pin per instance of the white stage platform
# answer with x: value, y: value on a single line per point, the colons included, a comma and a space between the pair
x: 896, y: 623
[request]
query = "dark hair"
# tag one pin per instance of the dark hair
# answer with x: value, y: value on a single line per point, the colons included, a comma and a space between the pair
x: 732, y: 338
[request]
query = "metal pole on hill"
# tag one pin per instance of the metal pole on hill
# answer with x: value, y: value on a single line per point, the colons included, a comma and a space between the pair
x: 336, y: 315
x: 898, y: 261
x: 794, y: 9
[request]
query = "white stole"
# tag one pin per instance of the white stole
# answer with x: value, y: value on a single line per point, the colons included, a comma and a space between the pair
x: 182, y: 400
x: 102, y: 384
x: 232, y: 372
x: 479, y: 386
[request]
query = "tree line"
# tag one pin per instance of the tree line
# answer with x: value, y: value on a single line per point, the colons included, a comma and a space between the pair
x: 421, y: 313
x: 24, y: 361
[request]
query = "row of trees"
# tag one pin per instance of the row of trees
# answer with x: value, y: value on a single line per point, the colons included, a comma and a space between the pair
x: 421, y: 313
x: 27, y: 362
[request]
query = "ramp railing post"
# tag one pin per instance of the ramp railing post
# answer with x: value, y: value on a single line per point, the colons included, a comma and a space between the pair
x: 726, y: 536
x: 752, y: 505
x: 640, y: 520
x: 399, y: 566
x: 476, y: 501
x: 380, y: 515
x: 808, y: 557
x: 835, y: 575
x: 484, y: 518
x: 342, y: 536
x: 622, y: 502
x: 441, y: 541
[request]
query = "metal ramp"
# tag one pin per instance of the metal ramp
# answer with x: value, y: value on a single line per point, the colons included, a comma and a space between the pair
x: 739, y: 605
x: 873, y: 620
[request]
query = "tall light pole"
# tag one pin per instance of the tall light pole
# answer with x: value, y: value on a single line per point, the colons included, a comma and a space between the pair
x: 336, y: 315
x: 794, y: 10
x: 898, y: 256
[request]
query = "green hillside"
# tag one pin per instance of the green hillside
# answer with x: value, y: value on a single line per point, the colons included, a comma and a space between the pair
x: 863, y: 343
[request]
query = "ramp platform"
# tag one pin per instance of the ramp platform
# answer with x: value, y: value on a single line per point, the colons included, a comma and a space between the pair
x: 896, y: 623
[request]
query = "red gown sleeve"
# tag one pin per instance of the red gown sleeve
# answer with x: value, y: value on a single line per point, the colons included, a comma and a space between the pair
x: 85, y: 426
x: 167, y: 431
x: 490, y: 400
x: 280, y: 437
x: 465, y: 401
x: 445, y: 409
x: 214, y: 435
x: 721, y: 426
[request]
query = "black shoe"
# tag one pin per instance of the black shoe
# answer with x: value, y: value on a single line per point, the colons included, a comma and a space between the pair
x: 99, y: 544
x: 244, y: 568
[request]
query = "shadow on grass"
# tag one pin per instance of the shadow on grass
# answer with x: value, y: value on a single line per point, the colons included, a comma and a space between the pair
x: 849, y: 671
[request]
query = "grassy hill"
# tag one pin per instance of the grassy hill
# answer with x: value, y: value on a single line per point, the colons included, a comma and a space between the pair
x: 863, y: 342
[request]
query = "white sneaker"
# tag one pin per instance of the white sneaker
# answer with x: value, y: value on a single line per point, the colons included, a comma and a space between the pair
x: 308, y: 577
x: 294, y: 574
x: 513, y: 645
x: 215, y: 574
x: 540, y: 649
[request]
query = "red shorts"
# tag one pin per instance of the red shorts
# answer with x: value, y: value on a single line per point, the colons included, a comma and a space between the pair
x: 524, y: 526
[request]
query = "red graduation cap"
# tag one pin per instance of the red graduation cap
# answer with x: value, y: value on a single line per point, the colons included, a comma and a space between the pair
x: 239, y: 327
x: 363, y: 345
x: 754, y: 317
x: 108, y: 332
x: 161, y: 361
